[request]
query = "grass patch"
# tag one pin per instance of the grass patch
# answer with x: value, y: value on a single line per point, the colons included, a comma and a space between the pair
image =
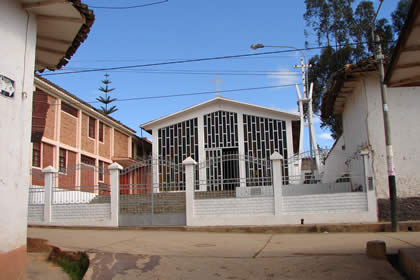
x: 76, y: 269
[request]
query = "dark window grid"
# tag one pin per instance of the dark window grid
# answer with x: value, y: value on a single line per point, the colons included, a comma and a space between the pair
x: 36, y: 155
x: 69, y: 109
x: 92, y: 127
x: 101, y: 171
x: 101, y: 132
x: 62, y: 160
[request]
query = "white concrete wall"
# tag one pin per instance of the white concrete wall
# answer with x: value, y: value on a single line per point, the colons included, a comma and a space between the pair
x: 17, y: 58
x: 405, y: 126
x: 35, y: 213
x: 255, y: 206
x: 335, y: 163
x: 363, y: 126
x: 319, y: 203
x: 96, y: 211
x: 320, y: 188
x: 95, y: 214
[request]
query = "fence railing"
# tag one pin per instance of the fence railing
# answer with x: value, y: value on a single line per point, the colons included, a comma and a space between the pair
x: 36, y: 195
x: 64, y: 201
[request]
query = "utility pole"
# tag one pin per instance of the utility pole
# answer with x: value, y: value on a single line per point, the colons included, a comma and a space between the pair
x: 305, y: 107
x: 388, y: 140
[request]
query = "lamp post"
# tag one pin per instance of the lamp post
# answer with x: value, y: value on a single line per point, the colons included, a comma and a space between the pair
x: 260, y: 46
x: 307, y: 100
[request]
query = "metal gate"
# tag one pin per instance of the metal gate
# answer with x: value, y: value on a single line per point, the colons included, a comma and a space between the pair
x: 152, y: 193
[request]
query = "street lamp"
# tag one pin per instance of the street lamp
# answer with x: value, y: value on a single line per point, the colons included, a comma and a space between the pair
x: 260, y: 46
x: 306, y: 99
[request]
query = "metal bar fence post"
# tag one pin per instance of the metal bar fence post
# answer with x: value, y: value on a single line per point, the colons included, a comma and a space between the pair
x: 48, y: 194
x: 276, y: 159
x: 115, y: 169
x: 189, y: 164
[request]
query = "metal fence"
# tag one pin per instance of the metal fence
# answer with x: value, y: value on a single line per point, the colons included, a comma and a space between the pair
x: 222, y: 177
x: 36, y: 188
x: 149, y: 200
x: 81, y: 184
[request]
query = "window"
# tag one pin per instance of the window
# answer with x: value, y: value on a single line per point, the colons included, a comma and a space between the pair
x: 69, y: 109
x: 92, y: 127
x: 62, y: 160
x: 36, y: 154
x: 101, y: 171
x: 101, y: 132
x: 87, y: 160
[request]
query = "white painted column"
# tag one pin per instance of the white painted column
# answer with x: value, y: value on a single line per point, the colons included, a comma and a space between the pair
x: 189, y: 164
x: 241, y: 150
x: 370, y: 192
x: 115, y: 169
x: 201, y: 153
x: 155, y: 161
x: 79, y: 148
x: 277, y: 182
x: 295, y: 167
x: 48, y: 192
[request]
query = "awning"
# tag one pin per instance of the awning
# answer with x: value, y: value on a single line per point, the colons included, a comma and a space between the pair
x: 62, y: 26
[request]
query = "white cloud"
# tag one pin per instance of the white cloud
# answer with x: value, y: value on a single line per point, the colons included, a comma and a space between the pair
x: 316, y: 119
x: 283, y: 77
x: 292, y: 110
x: 325, y: 136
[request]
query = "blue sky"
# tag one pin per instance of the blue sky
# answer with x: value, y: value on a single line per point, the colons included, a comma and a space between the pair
x: 180, y: 29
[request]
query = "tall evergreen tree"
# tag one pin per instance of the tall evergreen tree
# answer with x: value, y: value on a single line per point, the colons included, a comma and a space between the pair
x: 399, y: 15
x: 106, y: 100
x: 347, y: 37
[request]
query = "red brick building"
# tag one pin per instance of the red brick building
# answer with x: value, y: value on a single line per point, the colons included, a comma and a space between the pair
x: 68, y: 133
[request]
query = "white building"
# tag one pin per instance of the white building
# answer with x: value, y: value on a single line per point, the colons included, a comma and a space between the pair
x: 221, y: 128
x: 354, y: 93
x: 36, y: 34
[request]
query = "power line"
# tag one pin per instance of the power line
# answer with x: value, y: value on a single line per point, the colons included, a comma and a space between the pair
x: 173, y: 62
x: 202, y: 72
x: 129, y: 7
x: 181, y: 94
x: 166, y: 59
x: 191, y: 60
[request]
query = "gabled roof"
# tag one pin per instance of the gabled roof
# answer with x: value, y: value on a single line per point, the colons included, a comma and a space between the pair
x: 217, y: 100
x: 404, y: 68
x: 62, y: 26
x: 341, y: 84
x: 77, y: 102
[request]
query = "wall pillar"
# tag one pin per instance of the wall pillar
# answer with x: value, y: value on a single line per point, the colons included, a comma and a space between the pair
x: 48, y: 192
x: 115, y: 169
x: 189, y: 164
x: 276, y: 169
x: 368, y: 187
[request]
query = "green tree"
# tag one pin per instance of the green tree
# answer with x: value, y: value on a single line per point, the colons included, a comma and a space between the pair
x: 106, y: 100
x: 347, y: 34
x: 399, y: 15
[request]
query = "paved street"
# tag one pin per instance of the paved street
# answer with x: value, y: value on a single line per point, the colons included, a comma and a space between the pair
x: 132, y: 254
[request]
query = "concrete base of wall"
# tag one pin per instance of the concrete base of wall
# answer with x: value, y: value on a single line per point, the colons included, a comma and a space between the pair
x: 13, y: 263
x: 293, y: 219
x: 408, y: 209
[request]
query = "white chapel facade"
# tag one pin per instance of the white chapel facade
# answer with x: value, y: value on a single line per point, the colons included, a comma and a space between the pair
x: 221, y: 127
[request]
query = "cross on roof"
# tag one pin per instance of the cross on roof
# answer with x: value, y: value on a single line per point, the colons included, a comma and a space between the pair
x: 217, y: 81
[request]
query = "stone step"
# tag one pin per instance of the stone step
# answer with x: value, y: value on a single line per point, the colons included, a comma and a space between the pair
x: 409, y: 262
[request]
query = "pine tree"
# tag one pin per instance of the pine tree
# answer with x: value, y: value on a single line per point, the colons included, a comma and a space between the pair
x: 107, y: 99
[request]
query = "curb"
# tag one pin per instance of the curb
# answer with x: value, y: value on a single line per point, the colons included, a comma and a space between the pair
x: 410, y: 226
